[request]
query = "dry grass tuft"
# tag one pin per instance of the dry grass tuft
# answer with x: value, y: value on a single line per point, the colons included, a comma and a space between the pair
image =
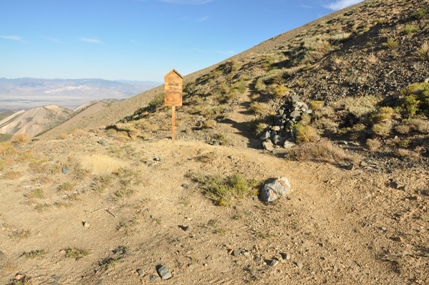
x: 373, y: 144
x: 12, y: 175
x: 19, y: 139
x: 305, y: 133
x: 423, y: 52
x: 321, y: 151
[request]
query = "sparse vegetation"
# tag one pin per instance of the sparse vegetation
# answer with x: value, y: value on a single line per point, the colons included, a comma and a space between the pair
x: 392, y: 43
x: 321, y: 151
x: 410, y: 29
x: 305, y: 133
x: 423, y: 52
x: 222, y: 191
x: 75, y: 253
x: 38, y: 253
x: 19, y: 234
x: 12, y: 175
x: 66, y: 187
x: 37, y: 193
x: 20, y: 138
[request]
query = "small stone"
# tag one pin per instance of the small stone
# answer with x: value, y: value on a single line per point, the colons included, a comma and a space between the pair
x: 86, y: 224
x: 258, y: 259
x: 153, y: 278
x: 288, y: 144
x: 103, y: 142
x: 236, y: 252
x: 19, y: 276
x: 157, y: 158
x: 273, y: 262
x: 299, y: 265
x: 266, y: 135
x: 164, y: 272
x: 120, y: 250
x: 268, y: 145
x: 65, y: 170
x: 399, y: 239
x: 140, y: 272
x: 186, y: 228
x: 285, y: 256
x: 246, y: 253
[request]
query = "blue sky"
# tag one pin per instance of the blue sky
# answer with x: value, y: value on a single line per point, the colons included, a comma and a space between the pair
x: 140, y: 39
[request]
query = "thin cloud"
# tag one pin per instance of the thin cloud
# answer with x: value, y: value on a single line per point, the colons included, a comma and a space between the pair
x: 91, y: 41
x: 13, y: 38
x: 187, y: 2
x: 203, y: 19
x: 341, y: 4
x: 55, y: 40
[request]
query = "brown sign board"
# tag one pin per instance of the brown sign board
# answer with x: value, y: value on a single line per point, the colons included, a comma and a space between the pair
x: 173, y: 89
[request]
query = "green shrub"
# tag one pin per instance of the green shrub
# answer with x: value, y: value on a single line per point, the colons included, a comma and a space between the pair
x: 419, y: 14
x: 222, y: 191
x: 410, y: 29
x: 75, y: 253
x: 305, y: 133
x: 382, y: 129
x: 383, y: 114
x: 34, y: 253
x: 415, y: 100
x: 392, y: 43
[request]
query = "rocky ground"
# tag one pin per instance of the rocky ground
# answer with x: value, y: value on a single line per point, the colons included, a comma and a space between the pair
x: 109, y: 198
x: 66, y: 217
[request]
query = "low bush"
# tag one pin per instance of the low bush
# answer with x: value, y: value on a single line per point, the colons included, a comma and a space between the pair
x: 222, y: 191
x: 305, y: 133
x: 20, y: 138
x: 321, y: 151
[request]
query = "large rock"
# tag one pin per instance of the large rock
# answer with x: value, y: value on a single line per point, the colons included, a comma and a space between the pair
x: 275, y: 189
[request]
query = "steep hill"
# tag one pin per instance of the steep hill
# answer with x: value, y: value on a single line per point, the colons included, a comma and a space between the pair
x: 338, y: 106
x: 34, y: 121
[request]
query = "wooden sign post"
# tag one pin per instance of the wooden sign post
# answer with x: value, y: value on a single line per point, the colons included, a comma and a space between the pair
x: 173, y: 95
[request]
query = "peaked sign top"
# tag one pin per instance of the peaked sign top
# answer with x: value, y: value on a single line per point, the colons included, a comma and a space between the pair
x: 173, y: 88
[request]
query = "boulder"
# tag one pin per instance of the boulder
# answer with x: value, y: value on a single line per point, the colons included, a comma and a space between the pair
x: 275, y: 189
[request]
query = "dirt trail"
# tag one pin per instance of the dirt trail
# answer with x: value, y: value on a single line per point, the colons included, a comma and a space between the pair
x: 322, y: 226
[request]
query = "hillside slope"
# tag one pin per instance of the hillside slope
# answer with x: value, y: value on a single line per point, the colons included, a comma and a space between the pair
x: 338, y: 106
x: 34, y: 121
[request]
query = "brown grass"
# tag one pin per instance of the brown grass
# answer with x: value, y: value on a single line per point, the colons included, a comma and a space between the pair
x: 373, y: 144
x: 12, y: 175
x: 306, y: 133
x: 321, y: 151
x: 20, y: 138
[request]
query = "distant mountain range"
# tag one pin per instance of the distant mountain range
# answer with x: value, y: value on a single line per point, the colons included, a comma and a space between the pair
x: 27, y: 93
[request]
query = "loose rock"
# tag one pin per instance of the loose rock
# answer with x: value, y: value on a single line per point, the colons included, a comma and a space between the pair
x: 275, y: 189
x: 164, y: 272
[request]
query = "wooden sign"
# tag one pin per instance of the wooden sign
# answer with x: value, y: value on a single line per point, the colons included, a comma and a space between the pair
x: 173, y: 95
x: 173, y: 89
